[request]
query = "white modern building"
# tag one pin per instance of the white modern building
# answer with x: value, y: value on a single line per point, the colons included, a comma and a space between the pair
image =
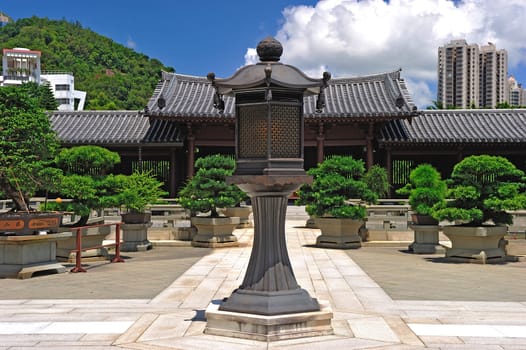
x: 21, y: 65
x: 63, y: 86
x: 469, y: 76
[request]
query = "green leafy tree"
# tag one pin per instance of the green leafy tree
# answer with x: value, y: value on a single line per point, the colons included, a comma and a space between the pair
x: 113, y: 75
x: 482, y: 188
x: 42, y: 93
x: 27, y: 146
x: 377, y: 180
x: 335, y: 181
x: 207, y: 190
x: 425, y: 189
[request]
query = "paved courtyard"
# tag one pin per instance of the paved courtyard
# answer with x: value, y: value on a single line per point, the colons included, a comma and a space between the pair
x: 381, y: 297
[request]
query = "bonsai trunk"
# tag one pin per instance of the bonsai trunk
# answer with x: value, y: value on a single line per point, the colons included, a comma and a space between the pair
x: 20, y: 200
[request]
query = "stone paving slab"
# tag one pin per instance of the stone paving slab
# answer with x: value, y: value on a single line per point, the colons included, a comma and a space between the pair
x: 365, y: 315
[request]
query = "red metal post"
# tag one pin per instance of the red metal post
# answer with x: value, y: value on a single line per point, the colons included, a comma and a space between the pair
x: 78, y: 253
x: 117, y: 257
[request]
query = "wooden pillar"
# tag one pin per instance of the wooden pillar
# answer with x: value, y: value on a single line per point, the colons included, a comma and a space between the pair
x: 191, y: 150
x: 139, y: 158
x: 172, y: 181
x: 320, y: 143
x: 389, y: 169
x: 369, y: 146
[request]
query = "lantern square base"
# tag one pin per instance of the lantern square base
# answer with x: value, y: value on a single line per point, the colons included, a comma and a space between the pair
x: 268, y: 328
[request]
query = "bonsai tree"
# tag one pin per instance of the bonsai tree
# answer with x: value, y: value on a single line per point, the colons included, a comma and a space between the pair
x: 136, y: 191
x: 482, y: 188
x: 207, y: 190
x: 28, y: 145
x: 425, y: 189
x: 335, y: 181
x: 377, y: 180
x: 85, y: 181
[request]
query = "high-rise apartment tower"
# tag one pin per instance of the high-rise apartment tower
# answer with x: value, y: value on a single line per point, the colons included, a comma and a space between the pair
x: 469, y: 76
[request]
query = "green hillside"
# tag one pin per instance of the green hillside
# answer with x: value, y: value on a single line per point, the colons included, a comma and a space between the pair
x: 114, y: 76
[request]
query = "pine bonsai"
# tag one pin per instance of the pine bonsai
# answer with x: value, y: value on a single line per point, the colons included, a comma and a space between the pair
x: 207, y: 190
x: 482, y: 189
x: 426, y: 189
x: 335, y: 181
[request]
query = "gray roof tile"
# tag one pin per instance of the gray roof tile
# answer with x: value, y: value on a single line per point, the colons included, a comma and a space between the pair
x: 111, y: 127
x: 458, y: 126
x: 371, y: 96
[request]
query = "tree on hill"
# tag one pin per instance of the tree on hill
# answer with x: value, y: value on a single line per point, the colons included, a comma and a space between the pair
x: 114, y: 76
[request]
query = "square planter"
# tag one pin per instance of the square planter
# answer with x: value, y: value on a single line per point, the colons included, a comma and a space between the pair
x: 476, y: 244
x: 215, y: 232
x: 338, y: 233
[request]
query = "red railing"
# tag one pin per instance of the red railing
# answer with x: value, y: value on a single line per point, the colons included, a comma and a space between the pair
x: 79, y: 248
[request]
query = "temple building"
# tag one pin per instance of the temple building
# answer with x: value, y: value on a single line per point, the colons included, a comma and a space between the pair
x: 369, y: 117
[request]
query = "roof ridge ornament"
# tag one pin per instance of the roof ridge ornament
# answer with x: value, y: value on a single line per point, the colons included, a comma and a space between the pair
x: 219, y: 103
x: 320, y: 101
x: 269, y: 50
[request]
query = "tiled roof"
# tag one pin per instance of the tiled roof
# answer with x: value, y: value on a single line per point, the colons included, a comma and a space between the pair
x: 111, y: 127
x: 362, y: 97
x: 458, y: 126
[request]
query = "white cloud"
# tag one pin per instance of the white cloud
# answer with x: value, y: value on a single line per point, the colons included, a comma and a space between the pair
x: 352, y: 37
x: 130, y: 43
x: 251, y: 57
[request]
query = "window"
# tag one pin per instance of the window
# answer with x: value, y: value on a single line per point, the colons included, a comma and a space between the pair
x: 62, y: 87
x: 63, y: 101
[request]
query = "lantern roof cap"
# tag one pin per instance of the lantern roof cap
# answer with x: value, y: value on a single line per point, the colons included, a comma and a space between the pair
x: 268, y: 72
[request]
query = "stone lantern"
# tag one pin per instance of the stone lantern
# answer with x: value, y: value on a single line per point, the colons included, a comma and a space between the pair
x: 269, y: 156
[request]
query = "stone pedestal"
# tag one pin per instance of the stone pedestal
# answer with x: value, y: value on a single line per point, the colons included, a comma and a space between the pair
x: 268, y: 328
x: 215, y: 232
x: 135, y: 237
x: 22, y: 256
x: 269, y: 304
x: 426, y: 240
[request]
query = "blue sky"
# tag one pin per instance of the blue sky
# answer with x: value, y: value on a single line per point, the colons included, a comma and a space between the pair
x: 345, y: 37
x: 195, y: 37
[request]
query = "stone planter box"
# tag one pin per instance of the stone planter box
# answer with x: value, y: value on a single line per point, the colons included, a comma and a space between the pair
x: 338, y: 232
x: 242, y: 213
x: 215, y: 232
x: 476, y: 244
x: 22, y: 256
x: 426, y: 240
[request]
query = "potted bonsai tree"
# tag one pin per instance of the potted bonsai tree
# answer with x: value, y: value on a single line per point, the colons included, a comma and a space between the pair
x: 84, y: 180
x: 481, y: 188
x: 329, y: 201
x: 27, y: 147
x: 426, y: 190
x: 204, y: 194
x: 84, y: 184
x: 134, y: 193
